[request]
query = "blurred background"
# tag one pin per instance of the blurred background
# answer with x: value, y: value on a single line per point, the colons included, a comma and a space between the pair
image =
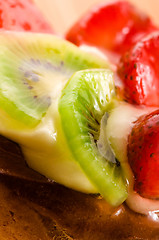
x: 63, y: 13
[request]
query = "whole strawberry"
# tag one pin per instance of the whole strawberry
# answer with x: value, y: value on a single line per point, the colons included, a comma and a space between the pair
x: 113, y: 26
x: 139, y: 71
x: 143, y: 155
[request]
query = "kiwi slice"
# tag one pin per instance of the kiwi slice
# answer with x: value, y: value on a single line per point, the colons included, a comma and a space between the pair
x: 33, y: 70
x: 84, y: 100
x: 58, y: 132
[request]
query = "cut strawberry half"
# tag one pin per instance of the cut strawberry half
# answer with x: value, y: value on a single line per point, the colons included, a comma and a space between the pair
x: 112, y: 26
x: 22, y: 15
x: 138, y: 69
x: 143, y: 155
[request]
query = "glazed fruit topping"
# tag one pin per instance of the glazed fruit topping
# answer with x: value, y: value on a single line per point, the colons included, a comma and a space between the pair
x: 22, y: 15
x: 113, y: 26
x: 139, y: 71
x: 143, y: 155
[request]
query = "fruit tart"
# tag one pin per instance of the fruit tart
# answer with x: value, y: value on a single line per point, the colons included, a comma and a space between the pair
x: 79, y: 128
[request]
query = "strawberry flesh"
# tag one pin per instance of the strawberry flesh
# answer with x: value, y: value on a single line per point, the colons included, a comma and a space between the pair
x: 22, y: 15
x: 112, y: 26
x: 139, y: 72
x: 143, y: 155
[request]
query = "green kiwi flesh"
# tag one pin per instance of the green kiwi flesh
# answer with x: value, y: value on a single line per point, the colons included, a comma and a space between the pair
x: 84, y: 100
x: 33, y: 70
x: 58, y: 142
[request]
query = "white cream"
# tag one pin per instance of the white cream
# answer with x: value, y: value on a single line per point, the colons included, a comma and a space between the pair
x: 45, y: 150
x: 119, y: 125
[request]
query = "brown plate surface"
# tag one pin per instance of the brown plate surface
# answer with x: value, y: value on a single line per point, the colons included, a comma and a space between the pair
x: 32, y: 208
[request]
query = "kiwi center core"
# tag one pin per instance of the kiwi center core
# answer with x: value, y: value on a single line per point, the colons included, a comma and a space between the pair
x: 44, y: 79
x: 103, y: 144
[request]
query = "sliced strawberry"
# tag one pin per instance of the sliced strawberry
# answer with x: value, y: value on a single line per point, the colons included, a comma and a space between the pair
x: 22, y: 15
x: 139, y: 71
x: 143, y: 155
x: 113, y: 26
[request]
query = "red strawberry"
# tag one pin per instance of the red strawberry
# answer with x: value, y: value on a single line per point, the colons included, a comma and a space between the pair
x: 112, y: 26
x: 143, y: 155
x: 22, y: 15
x: 139, y: 71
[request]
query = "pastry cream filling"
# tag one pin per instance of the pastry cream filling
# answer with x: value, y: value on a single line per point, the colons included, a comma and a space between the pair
x: 119, y: 125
